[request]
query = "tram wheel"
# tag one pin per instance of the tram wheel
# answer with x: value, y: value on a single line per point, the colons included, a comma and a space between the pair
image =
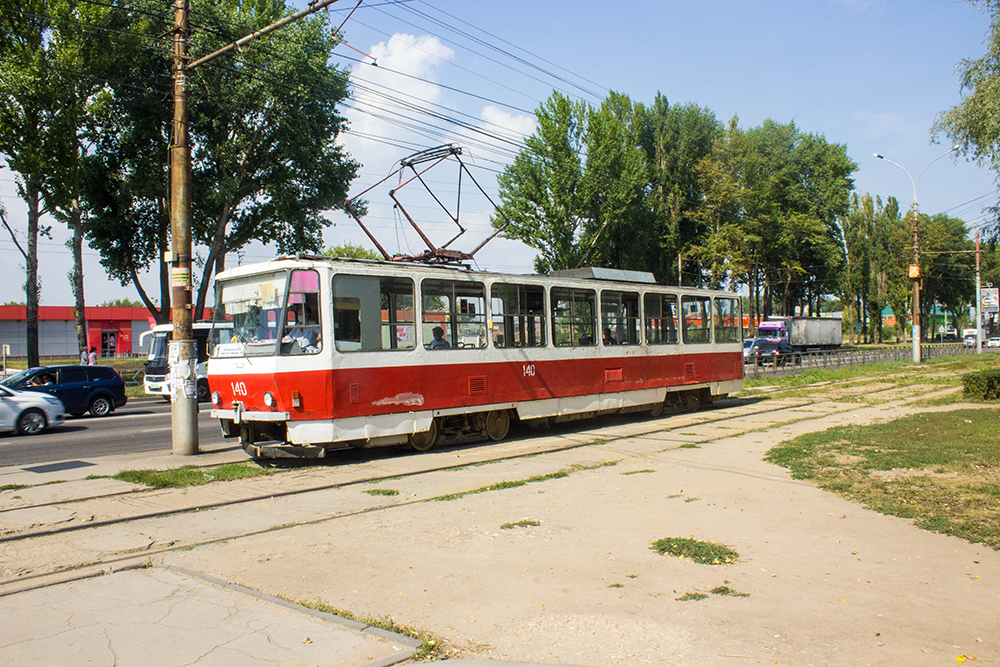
x: 656, y: 409
x: 497, y: 424
x: 421, y: 442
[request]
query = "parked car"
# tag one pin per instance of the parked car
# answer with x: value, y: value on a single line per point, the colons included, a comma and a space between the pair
x: 29, y: 412
x: 95, y: 389
x: 993, y: 342
x: 778, y: 353
x: 969, y: 341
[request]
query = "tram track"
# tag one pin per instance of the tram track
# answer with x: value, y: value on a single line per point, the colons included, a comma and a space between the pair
x: 376, y: 479
x: 365, y: 480
x: 103, y: 561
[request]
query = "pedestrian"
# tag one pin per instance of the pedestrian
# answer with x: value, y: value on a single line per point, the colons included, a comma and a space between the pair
x: 84, y: 357
x: 92, y: 357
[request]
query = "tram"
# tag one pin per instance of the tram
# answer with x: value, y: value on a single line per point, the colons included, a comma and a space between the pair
x: 312, y: 354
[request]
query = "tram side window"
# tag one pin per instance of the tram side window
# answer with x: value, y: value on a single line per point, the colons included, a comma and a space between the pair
x: 661, y: 318
x: 696, y: 313
x: 518, y: 313
x: 302, y: 333
x: 727, y: 320
x: 373, y: 313
x: 573, y: 316
x: 454, y: 314
x: 619, y: 318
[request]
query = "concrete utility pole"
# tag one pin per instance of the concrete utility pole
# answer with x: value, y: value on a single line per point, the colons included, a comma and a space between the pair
x: 183, y: 356
x: 979, y: 303
x: 914, y: 271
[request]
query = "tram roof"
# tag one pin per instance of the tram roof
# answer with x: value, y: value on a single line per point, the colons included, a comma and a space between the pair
x: 587, y: 275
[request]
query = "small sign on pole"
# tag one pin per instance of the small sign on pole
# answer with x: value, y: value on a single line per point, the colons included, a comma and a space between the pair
x: 990, y: 302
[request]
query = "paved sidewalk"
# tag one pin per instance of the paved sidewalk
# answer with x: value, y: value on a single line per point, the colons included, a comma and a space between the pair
x: 166, y: 616
x: 163, y: 617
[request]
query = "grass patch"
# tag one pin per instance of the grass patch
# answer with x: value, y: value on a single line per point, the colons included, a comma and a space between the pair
x: 189, y: 475
x: 689, y: 597
x: 13, y: 487
x: 382, y: 492
x: 638, y: 472
x: 499, y: 486
x: 690, y: 445
x: 706, y: 553
x: 940, y: 469
x: 523, y: 523
x: 430, y: 646
x: 615, y: 586
x: 726, y: 590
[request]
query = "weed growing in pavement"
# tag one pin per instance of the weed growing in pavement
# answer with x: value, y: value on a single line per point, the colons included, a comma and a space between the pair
x: 13, y: 487
x: 382, y: 492
x: 726, y: 590
x: 706, y: 553
x: 384, y: 479
x: 615, y: 586
x: 595, y: 466
x: 189, y: 475
x: 430, y: 645
x: 637, y: 472
x: 690, y: 445
x: 691, y: 499
x: 523, y: 523
x: 499, y: 486
x: 689, y: 597
x: 940, y: 469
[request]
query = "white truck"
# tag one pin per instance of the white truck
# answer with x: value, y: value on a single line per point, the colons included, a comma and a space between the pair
x: 157, y: 366
x: 804, y: 333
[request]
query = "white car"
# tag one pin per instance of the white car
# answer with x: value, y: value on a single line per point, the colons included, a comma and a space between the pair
x: 993, y: 342
x: 29, y: 412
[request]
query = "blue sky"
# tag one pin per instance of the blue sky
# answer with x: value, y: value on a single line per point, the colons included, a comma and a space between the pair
x: 872, y: 74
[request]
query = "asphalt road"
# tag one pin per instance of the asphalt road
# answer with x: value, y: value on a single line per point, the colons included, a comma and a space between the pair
x: 141, y: 425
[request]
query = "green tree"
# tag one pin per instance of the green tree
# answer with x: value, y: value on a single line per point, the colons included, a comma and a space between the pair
x: 351, y: 251
x: 542, y: 190
x: 676, y: 140
x: 947, y: 266
x: 264, y: 125
x: 29, y: 101
x: 972, y: 125
x: 616, y: 232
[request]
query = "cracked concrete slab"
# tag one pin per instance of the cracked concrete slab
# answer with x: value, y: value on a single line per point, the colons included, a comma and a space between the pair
x: 167, y: 618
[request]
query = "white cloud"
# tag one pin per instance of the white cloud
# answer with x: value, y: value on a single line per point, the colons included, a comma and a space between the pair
x: 517, y: 123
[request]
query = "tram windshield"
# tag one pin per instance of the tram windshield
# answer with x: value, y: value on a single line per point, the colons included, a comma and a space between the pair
x: 251, y: 307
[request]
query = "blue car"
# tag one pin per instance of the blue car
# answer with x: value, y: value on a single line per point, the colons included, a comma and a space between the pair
x: 98, y: 390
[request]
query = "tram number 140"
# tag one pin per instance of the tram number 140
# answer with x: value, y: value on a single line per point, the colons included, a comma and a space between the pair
x: 239, y: 389
x: 529, y: 370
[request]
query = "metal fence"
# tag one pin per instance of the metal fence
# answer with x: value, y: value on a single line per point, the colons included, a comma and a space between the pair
x: 853, y: 357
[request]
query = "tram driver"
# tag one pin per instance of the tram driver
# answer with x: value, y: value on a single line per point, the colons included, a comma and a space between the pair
x: 305, y: 332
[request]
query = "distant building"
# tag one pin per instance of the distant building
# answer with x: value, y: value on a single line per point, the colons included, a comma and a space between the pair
x: 113, y: 330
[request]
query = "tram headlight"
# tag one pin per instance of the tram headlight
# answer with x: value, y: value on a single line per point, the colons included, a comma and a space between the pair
x: 216, y: 399
x: 269, y: 399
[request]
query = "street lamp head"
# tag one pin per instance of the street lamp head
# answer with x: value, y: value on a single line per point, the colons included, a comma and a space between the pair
x: 880, y: 157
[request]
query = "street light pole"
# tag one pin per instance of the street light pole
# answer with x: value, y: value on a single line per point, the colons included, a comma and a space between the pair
x: 914, y: 271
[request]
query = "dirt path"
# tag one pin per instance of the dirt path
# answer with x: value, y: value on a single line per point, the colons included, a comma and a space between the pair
x: 826, y: 582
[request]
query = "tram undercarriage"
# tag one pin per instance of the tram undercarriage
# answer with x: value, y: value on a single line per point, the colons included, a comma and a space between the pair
x: 269, y: 439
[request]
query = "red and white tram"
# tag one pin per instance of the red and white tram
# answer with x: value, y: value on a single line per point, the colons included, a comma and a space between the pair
x: 316, y: 354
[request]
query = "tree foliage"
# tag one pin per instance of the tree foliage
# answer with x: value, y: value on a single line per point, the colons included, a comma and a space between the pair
x: 263, y: 124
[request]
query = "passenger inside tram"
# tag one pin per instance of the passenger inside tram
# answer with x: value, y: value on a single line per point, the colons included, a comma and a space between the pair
x: 439, y: 342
